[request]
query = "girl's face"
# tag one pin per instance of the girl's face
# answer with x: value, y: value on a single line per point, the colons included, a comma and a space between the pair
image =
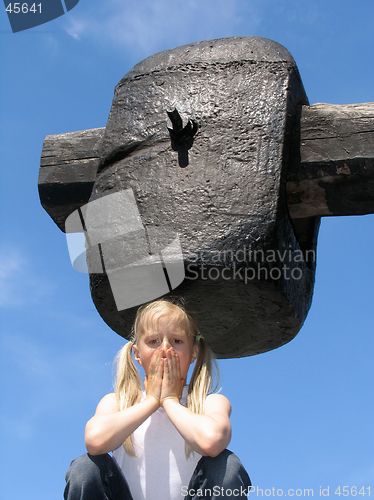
x: 166, y: 334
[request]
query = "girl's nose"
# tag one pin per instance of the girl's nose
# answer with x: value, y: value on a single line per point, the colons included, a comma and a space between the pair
x: 166, y: 344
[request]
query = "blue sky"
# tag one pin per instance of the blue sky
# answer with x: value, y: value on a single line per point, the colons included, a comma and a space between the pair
x: 302, y: 414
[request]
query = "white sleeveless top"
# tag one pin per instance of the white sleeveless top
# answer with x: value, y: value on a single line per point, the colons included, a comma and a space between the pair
x: 160, y: 468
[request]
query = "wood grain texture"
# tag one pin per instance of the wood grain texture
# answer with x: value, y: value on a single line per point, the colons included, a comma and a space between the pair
x: 68, y: 167
x: 332, y: 166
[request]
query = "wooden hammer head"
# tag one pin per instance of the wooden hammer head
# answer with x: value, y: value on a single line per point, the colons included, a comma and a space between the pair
x: 201, y: 136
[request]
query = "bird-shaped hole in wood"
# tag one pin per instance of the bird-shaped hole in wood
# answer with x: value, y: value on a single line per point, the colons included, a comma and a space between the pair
x: 181, y: 136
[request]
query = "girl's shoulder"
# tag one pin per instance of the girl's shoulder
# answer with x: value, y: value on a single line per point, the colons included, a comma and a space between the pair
x: 109, y: 404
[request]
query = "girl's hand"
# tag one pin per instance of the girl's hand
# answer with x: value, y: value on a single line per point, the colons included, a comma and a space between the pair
x: 172, y: 384
x: 153, y: 381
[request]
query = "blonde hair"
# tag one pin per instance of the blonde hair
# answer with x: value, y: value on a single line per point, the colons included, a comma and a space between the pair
x: 128, y: 387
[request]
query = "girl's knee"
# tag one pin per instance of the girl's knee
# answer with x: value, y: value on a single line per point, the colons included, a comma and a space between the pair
x: 77, y: 466
x: 86, y: 476
x: 87, y: 466
x: 228, y: 467
x: 236, y: 469
x: 225, y: 459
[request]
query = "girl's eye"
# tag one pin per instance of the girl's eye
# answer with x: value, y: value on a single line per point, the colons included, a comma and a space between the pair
x: 153, y: 341
x: 177, y: 341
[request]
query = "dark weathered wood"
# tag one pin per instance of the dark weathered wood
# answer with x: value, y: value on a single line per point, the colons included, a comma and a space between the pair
x: 332, y: 170
x: 69, y: 163
x: 224, y: 195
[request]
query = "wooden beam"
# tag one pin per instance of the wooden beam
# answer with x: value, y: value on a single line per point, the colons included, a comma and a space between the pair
x: 332, y: 165
x: 68, y: 167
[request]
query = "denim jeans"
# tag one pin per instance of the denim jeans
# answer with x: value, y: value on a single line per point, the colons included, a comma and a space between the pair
x: 99, y: 478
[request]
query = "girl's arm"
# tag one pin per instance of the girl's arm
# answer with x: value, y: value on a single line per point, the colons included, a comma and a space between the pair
x: 208, y: 434
x: 109, y: 427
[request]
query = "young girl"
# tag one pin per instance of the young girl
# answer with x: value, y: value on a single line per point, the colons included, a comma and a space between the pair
x: 168, y: 441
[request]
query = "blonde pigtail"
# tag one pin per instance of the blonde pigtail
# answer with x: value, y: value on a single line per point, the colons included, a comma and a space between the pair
x: 201, y: 383
x: 128, y: 387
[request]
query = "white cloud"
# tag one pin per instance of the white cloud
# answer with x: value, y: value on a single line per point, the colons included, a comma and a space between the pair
x: 77, y: 27
x: 11, y: 265
x: 19, y: 282
x: 147, y: 26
